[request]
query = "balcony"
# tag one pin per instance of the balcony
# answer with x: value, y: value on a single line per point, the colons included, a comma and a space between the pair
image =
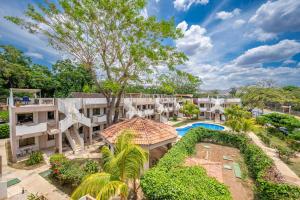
x: 27, y: 129
x: 203, y: 109
x: 33, y: 102
x: 99, y: 118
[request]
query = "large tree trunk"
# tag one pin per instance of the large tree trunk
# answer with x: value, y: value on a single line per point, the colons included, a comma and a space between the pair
x: 117, y: 107
x: 110, y: 109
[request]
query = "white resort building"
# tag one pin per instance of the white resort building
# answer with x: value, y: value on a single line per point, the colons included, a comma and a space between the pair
x: 213, y: 108
x: 64, y: 123
x: 68, y: 124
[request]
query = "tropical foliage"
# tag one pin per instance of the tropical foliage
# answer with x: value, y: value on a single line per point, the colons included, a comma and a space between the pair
x: 71, y: 172
x: 4, y: 131
x: 4, y: 116
x: 35, y: 158
x: 121, y: 167
x: 162, y: 181
x: 261, y: 96
x: 279, y: 120
x: 189, y: 109
x: 121, y: 57
x: 239, y: 119
x: 18, y: 71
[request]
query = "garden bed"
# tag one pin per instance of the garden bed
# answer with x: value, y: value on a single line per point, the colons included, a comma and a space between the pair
x: 171, y: 180
x: 211, y: 157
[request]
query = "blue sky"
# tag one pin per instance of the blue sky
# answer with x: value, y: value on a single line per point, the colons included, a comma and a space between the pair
x: 229, y: 42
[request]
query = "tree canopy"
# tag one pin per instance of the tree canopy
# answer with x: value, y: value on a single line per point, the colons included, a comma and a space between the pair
x: 110, y: 38
x: 189, y: 109
x: 18, y: 71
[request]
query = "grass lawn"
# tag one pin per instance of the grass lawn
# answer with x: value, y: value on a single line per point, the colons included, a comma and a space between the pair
x: 294, y: 164
x: 187, y: 121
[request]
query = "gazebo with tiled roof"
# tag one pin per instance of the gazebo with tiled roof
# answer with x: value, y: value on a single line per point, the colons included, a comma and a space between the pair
x: 151, y: 135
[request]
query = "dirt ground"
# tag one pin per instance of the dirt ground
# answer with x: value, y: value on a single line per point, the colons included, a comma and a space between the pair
x: 212, y: 160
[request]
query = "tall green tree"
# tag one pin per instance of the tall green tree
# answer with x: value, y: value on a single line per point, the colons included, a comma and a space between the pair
x: 70, y: 78
x: 239, y: 119
x: 179, y: 82
x: 14, y: 68
x: 106, y: 35
x: 189, y: 109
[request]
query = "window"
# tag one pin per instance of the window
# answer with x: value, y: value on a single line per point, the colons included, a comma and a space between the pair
x: 104, y: 110
x: 25, y: 118
x: 96, y: 111
x: 51, y: 137
x: 96, y: 128
x: 80, y: 130
x: 27, y: 142
x: 201, y: 105
x: 88, y: 112
x: 144, y: 107
x: 202, y: 114
x: 51, y: 115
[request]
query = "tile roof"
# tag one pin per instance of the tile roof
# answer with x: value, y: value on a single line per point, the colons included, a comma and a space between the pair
x: 146, y: 131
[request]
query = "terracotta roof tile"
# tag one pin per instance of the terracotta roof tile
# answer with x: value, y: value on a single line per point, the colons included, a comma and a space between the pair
x: 146, y: 131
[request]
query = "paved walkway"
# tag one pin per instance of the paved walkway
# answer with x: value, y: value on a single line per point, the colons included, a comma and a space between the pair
x: 31, y: 181
x: 286, y: 172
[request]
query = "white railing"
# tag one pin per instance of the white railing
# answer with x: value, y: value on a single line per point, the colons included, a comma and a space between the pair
x: 83, y: 120
x: 31, y: 128
x: 71, y: 140
x: 90, y: 101
x: 202, y: 109
x: 99, y: 119
x: 65, y: 123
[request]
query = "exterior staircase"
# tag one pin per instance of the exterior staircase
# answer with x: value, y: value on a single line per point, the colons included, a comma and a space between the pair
x: 70, y: 107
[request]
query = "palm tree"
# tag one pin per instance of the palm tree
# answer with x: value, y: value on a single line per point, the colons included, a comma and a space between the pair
x: 121, y: 166
x: 100, y: 186
x: 127, y: 161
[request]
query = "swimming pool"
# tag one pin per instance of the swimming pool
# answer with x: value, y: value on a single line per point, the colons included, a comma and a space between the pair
x: 182, y: 131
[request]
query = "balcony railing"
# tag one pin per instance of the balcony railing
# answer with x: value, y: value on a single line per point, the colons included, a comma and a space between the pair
x: 26, y: 129
x: 99, y: 119
x: 36, y: 101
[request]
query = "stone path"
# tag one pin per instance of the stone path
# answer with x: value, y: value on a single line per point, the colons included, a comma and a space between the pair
x: 31, y: 181
x: 286, y: 172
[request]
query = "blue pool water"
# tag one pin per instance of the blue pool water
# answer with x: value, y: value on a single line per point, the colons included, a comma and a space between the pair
x: 182, y: 131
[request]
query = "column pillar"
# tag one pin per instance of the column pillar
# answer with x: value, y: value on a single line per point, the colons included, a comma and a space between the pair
x: 60, y: 142
x: 90, y: 135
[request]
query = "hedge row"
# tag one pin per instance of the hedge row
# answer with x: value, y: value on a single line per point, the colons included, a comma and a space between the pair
x: 170, y: 180
x: 4, y: 116
x: 4, y: 131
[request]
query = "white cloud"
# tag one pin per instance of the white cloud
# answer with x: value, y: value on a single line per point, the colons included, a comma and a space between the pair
x: 261, y: 35
x: 194, y: 41
x: 186, y: 4
x: 223, y: 15
x: 278, y: 16
x: 269, y: 53
x: 238, y: 23
x: 34, y: 55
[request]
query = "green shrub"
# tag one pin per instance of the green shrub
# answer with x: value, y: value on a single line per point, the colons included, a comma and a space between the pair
x: 279, y: 120
x: 35, y: 158
x: 4, y: 116
x: 295, y: 135
x: 91, y: 167
x: 4, y: 131
x: 285, y: 153
x: 264, y: 138
x: 71, y: 172
x: 170, y: 180
x: 174, y: 118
